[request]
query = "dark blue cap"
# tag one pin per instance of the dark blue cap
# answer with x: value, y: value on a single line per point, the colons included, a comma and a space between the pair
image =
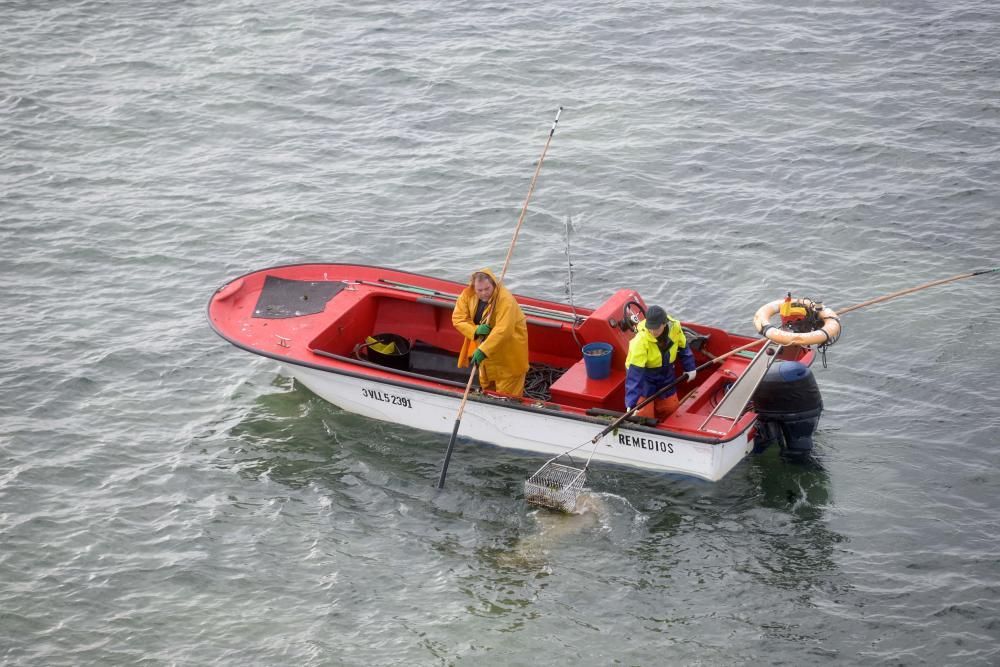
x: 655, y: 317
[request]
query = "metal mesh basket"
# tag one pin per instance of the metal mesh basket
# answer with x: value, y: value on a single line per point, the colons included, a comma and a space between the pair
x: 555, y: 486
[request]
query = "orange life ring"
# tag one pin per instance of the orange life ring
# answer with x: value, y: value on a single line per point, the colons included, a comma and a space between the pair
x: 828, y: 333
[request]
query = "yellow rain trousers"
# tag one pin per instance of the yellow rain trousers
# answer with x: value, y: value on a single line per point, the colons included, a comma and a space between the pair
x: 506, y: 346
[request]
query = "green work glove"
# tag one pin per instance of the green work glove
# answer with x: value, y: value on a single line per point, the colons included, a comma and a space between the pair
x: 478, y: 357
x: 483, y: 329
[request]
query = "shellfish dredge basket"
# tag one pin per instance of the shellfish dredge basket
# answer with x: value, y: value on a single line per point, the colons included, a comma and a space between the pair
x: 555, y: 486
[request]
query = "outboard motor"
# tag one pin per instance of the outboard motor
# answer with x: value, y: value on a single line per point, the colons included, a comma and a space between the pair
x: 788, y: 407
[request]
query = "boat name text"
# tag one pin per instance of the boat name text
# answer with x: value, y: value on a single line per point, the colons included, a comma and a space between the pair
x: 387, y: 398
x: 645, y: 443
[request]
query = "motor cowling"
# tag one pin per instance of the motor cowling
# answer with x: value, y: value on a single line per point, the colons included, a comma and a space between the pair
x: 788, y: 406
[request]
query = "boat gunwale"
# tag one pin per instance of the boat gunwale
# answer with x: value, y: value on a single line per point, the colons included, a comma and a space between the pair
x: 479, y: 398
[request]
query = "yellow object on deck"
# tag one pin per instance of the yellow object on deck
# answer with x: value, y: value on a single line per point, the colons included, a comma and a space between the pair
x: 382, y: 348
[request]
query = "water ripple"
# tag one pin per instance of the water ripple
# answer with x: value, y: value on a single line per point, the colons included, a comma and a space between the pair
x: 164, y: 498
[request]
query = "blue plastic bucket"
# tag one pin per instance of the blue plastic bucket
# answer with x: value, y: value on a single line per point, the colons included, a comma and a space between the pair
x: 597, y: 359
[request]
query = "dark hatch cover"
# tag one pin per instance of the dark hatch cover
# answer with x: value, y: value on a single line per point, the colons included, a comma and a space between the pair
x: 294, y: 298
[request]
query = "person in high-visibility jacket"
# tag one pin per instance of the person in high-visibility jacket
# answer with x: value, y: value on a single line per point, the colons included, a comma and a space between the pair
x: 649, y: 366
x: 495, y: 331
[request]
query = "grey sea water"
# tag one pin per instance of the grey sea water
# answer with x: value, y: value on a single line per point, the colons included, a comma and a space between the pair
x: 168, y: 499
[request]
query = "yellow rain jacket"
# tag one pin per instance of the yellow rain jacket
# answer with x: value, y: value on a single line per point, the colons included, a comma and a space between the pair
x: 506, y: 347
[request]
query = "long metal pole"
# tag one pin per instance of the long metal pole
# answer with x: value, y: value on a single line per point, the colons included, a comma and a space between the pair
x: 880, y: 299
x: 673, y: 384
x: 719, y: 358
x: 530, y: 310
x: 531, y: 189
x: 506, y: 263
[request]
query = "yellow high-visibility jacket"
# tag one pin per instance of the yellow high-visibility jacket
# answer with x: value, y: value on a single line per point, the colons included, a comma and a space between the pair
x: 646, y: 370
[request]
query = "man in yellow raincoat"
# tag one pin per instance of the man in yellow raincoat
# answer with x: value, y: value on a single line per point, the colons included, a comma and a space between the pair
x: 496, y: 334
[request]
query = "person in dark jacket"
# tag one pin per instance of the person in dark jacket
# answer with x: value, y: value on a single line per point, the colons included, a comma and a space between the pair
x: 649, y: 366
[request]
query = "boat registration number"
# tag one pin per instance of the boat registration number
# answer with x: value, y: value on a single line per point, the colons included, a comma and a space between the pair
x: 385, y: 397
x: 646, y: 443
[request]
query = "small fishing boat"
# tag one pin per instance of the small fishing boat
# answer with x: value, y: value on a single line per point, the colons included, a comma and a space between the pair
x: 380, y: 343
